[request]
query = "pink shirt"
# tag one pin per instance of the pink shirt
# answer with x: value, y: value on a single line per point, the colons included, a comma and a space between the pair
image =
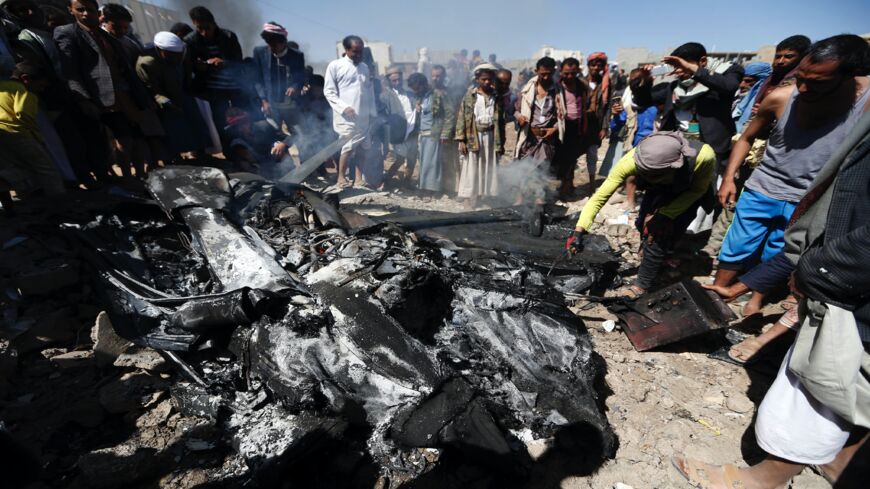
x: 574, y: 106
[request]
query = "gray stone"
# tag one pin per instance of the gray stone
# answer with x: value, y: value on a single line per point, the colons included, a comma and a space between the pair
x: 107, y: 344
x: 145, y: 359
x: 74, y: 359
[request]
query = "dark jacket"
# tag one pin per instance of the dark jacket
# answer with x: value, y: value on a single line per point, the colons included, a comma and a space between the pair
x: 836, y: 269
x: 713, y: 108
x: 161, y: 79
x: 86, y: 69
x: 199, y: 51
x: 294, y: 61
x: 466, y: 127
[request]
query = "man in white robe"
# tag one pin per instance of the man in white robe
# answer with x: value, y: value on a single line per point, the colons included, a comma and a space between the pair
x: 348, y: 89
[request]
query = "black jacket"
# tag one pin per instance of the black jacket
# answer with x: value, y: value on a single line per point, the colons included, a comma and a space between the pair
x: 294, y: 61
x: 837, y: 269
x: 199, y: 50
x: 86, y: 70
x: 713, y: 108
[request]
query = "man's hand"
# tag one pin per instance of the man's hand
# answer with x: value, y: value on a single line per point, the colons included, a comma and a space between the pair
x: 659, y: 228
x: 463, y: 149
x: 266, y: 108
x: 216, y: 62
x: 291, y: 91
x: 278, y: 150
x: 795, y: 291
x: 616, y: 109
x: 521, y: 120
x: 550, y: 132
x: 574, y: 244
x: 728, y: 193
x: 602, y: 134
x: 349, y: 114
x: 444, y: 141
x: 681, y: 66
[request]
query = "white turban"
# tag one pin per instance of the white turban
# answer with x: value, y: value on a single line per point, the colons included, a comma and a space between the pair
x: 168, y: 41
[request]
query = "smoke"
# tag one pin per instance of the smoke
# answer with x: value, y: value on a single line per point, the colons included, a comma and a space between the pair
x: 527, y: 177
x: 243, y: 18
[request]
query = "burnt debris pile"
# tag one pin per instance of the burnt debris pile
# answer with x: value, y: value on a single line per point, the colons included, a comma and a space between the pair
x: 321, y: 342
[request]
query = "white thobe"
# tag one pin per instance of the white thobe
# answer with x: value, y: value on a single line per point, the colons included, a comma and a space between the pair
x: 350, y: 85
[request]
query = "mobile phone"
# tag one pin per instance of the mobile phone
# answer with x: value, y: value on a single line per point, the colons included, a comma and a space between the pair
x: 659, y: 70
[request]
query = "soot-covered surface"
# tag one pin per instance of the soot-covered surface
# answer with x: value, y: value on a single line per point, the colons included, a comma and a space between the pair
x: 336, y: 354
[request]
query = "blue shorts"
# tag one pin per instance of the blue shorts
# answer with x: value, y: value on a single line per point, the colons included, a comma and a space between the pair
x: 758, y: 227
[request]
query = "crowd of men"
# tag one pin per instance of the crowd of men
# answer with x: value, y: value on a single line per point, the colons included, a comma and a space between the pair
x: 773, y: 160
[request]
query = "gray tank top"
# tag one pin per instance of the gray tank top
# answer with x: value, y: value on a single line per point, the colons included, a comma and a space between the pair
x: 795, y: 155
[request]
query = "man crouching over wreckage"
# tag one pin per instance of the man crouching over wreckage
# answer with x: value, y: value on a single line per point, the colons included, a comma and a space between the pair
x: 675, y: 174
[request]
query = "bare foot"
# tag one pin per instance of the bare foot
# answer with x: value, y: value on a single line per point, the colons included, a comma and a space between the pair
x: 751, y: 307
x: 730, y: 292
x: 744, y: 351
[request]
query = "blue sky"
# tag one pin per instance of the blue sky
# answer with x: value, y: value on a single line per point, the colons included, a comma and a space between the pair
x: 517, y: 28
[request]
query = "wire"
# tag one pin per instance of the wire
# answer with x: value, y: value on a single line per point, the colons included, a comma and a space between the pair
x: 297, y: 14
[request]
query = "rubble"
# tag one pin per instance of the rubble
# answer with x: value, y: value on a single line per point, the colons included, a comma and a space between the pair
x: 107, y: 344
x: 141, y: 358
x: 74, y: 359
x: 294, y: 328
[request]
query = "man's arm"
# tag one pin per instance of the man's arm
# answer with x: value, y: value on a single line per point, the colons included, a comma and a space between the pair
x: 449, y: 118
x: 726, y: 83
x: 765, y: 116
x: 330, y: 91
x: 837, y: 272
x: 70, y: 61
x: 235, y: 49
x: 148, y: 74
x: 623, y: 169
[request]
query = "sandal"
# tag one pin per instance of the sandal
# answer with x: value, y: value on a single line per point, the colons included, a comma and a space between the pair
x: 745, y: 356
x: 698, y: 473
x: 630, y: 292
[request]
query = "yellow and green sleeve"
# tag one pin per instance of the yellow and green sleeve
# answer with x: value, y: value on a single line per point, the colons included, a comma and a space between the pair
x: 623, y: 169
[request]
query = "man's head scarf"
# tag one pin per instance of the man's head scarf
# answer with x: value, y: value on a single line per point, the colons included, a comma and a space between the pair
x: 168, y: 41
x: 274, y: 28
x: 596, y: 102
x: 662, y: 151
x: 743, y: 111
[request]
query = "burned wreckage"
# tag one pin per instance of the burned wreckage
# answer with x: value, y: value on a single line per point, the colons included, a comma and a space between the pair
x: 303, y: 330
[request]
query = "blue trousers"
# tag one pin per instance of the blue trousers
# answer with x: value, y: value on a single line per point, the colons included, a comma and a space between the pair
x: 757, y: 229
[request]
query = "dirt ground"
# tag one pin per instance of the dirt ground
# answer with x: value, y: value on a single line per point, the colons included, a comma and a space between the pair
x: 94, y: 419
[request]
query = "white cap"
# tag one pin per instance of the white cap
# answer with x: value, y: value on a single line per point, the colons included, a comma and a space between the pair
x: 168, y: 41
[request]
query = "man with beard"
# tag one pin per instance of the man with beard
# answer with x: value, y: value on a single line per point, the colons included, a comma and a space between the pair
x: 349, y: 89
x: 280, y: 75
x: 213, y: 58
x: 597, y: 109
x: 480, y: 134
x: 572, y: 144
x: 542, y: 123
x: 102, y: 81
x: 809, y: 122
x: 436, y: 125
